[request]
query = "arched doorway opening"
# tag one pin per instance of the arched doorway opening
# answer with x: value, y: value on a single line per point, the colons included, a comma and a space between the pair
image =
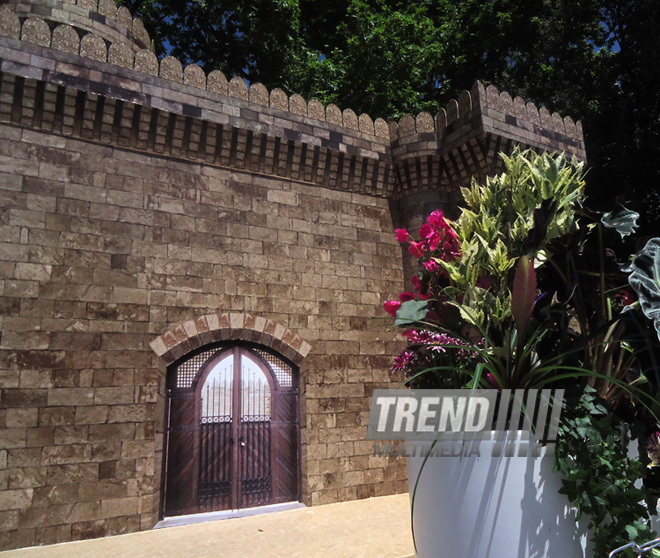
x: 232, y: 433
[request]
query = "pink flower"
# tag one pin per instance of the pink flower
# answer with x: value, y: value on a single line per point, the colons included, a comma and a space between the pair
x: 401, y: 235
x: 416, y: 249
x: 431, y: 265
x: 409, y: 333
x: 435, y: 239
x: 426, y: 231
x: 405, y: 297
x: 450, y: 251
x: 416, y: 283
x: 436, y: 219
x: 403, y: 360
x: 391, y: 306
x: 492, y: 381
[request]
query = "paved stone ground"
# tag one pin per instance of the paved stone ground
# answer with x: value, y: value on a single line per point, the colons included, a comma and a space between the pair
x: 372, y: 528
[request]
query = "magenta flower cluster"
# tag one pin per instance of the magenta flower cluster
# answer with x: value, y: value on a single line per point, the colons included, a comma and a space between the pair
x: 424, y: 345
x: 437, y: 242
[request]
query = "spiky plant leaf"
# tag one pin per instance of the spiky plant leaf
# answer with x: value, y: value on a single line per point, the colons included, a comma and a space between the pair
x: 523, y: 294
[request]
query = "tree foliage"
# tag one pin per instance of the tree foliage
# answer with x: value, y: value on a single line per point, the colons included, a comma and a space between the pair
x: 594, y: 60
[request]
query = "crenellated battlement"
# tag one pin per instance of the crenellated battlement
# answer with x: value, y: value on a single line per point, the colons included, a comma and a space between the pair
x: 95, y: 64
x: 38, y: 22
x: 477, y: 99
x: 78, y: 36
x: 103, y: 32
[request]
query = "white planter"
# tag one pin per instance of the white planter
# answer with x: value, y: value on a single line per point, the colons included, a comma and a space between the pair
x: 493, y: 507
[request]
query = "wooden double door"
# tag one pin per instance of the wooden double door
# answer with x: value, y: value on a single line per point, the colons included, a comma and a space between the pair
x: 232, y: 434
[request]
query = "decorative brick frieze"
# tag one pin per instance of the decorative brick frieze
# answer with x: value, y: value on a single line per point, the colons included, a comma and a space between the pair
x: 203, y: 329
x: 424, y: 153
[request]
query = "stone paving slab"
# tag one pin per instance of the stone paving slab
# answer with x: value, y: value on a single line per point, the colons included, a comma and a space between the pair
x: 372, y: 528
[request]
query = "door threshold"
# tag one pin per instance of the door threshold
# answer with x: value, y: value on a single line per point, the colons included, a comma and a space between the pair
x: 227, y: 514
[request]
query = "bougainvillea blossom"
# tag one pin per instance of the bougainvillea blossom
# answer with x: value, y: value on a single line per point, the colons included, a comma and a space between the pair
x: 391, y: 306
x: 416, y: 249
x: 431, y: 265
x: 401, y: 235
x: 437, y: 242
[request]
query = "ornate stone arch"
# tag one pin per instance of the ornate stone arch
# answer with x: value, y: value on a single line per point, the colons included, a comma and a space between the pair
x: 185, y: 337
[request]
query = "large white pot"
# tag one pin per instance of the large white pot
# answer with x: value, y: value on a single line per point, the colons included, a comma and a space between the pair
x: 493, y: 507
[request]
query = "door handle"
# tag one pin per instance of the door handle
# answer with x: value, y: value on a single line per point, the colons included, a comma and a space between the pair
x: 242, y: 441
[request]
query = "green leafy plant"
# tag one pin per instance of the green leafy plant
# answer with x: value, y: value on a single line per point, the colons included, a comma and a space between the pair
x: 514, y: 214
x: 599, y: 478
x: 521, y: 292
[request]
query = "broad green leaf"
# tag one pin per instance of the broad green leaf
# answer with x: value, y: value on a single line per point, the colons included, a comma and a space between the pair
x: 623, y: 220
x: 411, y: 312
x: 632, y: 532
x: 645, y: 280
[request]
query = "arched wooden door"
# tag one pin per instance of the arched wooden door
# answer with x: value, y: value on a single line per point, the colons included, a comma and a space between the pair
x: 232, y: 433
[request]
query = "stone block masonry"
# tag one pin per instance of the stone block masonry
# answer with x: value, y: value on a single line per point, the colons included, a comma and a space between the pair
x: 147, y: 210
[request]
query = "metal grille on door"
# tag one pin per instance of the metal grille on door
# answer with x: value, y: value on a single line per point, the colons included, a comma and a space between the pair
x: 214, y: 488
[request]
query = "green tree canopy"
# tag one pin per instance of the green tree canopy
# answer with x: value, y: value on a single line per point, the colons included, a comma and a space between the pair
x: 594, y: 60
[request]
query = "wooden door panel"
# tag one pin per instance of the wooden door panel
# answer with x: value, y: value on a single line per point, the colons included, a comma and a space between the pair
x: 215, y: 466
x: 182, y: 434
x: 285, y: 484
x: 256, y: 475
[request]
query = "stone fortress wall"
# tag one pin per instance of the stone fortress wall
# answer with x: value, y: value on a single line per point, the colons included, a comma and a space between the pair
x: 149, y: 209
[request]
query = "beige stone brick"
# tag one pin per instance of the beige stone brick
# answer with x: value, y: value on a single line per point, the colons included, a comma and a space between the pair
x: 27, y: 477
x: 73, y: 453
x: 39, y: 516
x: 96, y: 414
x: 24, y: 457
x: 21, y: 418
x: 72, y: 473
x: 8, y: 520
x: 54, y: 416
x: 119, y: 507
x: 14, y: 252
x: 70, y: 435
x: 25, y: 340
x: 122, y: 525
x: 102, y: 490
x: 19, y: 499
x: 136, y: 449
x: 82, y: 511
x: 130, y: 413
x: 13, y: 437
x: 114, y: 395
x: 70, y: 396
x: 32, y: 271
x: 52, y: 534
